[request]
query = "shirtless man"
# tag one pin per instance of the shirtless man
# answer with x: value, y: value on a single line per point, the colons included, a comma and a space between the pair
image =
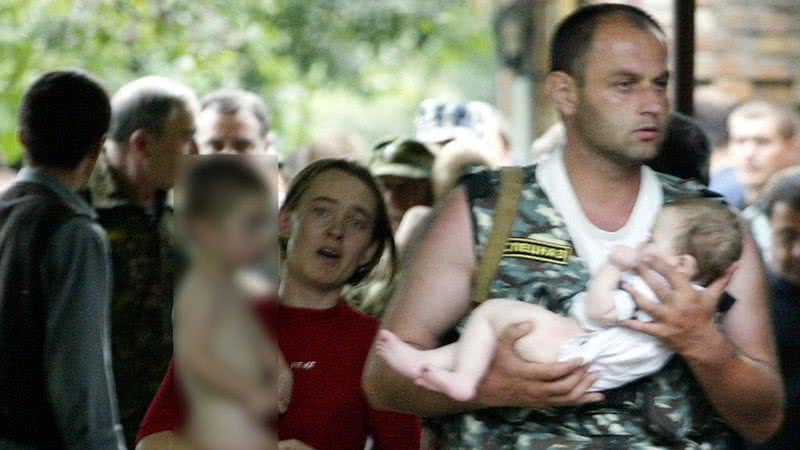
x: 609, y: 81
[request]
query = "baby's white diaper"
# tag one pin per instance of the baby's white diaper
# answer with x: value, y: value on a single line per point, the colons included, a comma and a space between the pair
x: 619, y: 354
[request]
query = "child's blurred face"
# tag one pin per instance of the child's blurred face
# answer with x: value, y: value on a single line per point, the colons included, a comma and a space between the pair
x: 246, y: 234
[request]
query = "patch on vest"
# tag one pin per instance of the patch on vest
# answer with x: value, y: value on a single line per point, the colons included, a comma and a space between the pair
x: 537, y: 250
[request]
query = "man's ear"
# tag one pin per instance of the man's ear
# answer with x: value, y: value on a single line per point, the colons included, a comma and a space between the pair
x: 98, y: 147
x: 21, y: 138
x: 562, y: 89
x: 139, y: 143
x: 687, y: 265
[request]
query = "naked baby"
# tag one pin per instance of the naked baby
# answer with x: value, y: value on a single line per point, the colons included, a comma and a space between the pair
x: 234, y: 379
x: 700, y: 238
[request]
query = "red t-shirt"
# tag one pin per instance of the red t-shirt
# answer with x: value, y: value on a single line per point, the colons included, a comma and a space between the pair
x: 326, y: 350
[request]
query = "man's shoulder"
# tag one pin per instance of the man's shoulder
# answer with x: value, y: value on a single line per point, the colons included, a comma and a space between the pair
x: 107, y: 188
x: 78, y: 230
x: 481, y: 181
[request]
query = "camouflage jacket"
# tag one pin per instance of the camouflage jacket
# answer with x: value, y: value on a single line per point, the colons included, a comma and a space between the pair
x: 665, y: 410
x: 143, y: 261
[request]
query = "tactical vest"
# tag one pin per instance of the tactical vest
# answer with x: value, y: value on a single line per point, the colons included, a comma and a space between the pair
x: 539, y: 266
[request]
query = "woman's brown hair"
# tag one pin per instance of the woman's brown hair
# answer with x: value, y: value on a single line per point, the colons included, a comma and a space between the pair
x: 381, y: 233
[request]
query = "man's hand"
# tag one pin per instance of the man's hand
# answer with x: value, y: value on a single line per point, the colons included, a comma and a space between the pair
x: 512, y: 381
x: 684, y: 320
x: 293, y: 444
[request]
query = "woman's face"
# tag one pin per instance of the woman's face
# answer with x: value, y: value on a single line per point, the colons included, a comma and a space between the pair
x: 329, y: 233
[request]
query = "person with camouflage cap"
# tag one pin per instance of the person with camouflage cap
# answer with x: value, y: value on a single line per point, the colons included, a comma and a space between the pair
x: 609, y: 82
x: 404, y: 169
x: 152, y: 126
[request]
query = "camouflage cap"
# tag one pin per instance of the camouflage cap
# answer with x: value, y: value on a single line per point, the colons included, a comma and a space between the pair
x: 401, y: 158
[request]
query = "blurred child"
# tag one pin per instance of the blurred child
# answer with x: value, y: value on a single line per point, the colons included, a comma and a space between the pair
x: 234, y: 377
x: 700, y: 238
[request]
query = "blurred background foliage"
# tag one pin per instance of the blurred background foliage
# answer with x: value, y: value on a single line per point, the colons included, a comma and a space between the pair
x: 322, y: 65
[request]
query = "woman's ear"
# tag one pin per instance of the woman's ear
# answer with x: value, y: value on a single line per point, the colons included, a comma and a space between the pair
x: 284, y: 223
x: 687, y: 265
x: 562, y: 89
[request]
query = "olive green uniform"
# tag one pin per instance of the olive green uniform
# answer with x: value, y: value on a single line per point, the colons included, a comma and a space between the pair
x: 143, y: 261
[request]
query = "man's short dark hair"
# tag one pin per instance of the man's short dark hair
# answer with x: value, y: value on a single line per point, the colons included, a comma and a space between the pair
x: 147, y: 103
x: 231, y: 101
x: 575, y: 34
x: 63, y: 117
x: 783, y: 188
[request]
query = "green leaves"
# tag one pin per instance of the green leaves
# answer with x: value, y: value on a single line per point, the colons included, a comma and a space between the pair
x: 359, y: 65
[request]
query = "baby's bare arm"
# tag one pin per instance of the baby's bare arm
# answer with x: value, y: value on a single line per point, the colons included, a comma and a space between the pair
x: 196, y: 314
x: 600, y: 305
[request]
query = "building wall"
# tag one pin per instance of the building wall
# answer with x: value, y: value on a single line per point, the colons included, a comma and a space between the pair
x: 750, y: 47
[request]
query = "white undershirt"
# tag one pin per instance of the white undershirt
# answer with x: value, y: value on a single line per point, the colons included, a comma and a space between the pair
x: 592, y: 244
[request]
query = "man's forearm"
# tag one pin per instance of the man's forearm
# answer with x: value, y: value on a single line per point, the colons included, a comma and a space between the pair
x: 747, y: 393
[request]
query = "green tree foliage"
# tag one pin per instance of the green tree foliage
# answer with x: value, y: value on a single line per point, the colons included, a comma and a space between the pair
x: 323, y: 65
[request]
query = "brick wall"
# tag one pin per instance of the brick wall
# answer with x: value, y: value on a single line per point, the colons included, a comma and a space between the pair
x: 743, y: 42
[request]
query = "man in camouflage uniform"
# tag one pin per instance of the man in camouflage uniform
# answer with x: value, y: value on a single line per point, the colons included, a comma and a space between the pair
x: 404, y: 168
x: 152, y: 126
x: 608, y: 81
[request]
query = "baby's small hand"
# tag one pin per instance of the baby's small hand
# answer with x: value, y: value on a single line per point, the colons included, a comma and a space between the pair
x: 625, y: 258
x: 293, y: 444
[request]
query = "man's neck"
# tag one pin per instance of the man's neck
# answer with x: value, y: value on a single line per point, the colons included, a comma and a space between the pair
x: 297, y: 294
x: 69, y: 178
x: 606, y: 190
x: 143, y: 192
x: 750, y: 195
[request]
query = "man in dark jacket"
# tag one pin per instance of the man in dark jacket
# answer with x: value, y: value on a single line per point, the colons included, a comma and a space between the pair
x: 56, y: 384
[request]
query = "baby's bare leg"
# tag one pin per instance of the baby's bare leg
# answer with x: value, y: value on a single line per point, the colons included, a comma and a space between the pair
x: 475, y: 349
x: 408, y: 360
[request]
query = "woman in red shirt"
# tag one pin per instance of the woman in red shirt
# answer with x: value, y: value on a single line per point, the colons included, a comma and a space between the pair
x: 333, y: 229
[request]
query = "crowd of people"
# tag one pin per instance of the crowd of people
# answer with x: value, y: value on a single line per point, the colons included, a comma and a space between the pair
x: 602, y: 297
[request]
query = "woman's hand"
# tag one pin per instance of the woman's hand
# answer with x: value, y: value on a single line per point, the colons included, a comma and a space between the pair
x: 512, y: 381
x: 293, y: 444
x: 163, y: 440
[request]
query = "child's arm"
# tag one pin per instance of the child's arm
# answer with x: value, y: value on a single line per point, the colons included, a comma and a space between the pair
x: 196, y: 313
x: 601, y: 306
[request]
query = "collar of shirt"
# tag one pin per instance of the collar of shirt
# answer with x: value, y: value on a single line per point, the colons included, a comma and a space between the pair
x: 70, y: 198
x: 108, y: 188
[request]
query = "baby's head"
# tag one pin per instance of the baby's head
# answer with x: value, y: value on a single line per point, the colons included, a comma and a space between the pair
x: 227, y: 210
x: 700, y: 237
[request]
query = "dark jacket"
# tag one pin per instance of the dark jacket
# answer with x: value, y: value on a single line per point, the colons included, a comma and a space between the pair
x: 56, y: 387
